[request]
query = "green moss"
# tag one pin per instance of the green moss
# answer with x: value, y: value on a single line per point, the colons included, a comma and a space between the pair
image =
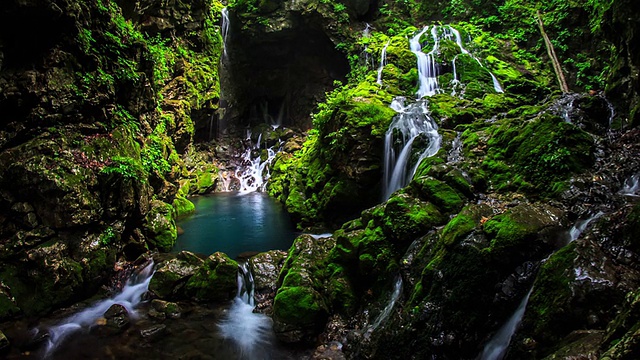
x: 160, y: 226
x: 548, y: 305
x: 215, y: 280
x: 459, y: 227
x: 298, y: 305
x: 438, y: 192
x: 183, y: 207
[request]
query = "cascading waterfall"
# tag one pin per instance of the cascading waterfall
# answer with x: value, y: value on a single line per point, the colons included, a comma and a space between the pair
x: 384, y: 314
x: 130, y: 297
x: 497, y: 347
x: 427, y: 74
x: 250, y: 332
x: 412, y: 122
x: 427, y: 70
x: 254, y: 173
x: 383, y: 62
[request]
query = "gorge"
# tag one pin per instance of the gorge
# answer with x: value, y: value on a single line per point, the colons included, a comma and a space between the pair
x: 319, y: 179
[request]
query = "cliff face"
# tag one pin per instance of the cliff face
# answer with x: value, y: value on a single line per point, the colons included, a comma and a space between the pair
x: 97, y: 110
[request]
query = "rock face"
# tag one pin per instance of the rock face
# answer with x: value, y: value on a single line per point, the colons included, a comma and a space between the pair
x: 294, y: 47
x: 96, y: 114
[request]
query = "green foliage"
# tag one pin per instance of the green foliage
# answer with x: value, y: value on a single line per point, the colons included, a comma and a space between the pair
x: 125, y: 167
x: 108, y: 236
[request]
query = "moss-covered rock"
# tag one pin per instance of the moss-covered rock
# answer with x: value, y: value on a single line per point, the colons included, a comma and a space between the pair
x: 215, y: 280
x: 171, y: 275
x: 160, y: 226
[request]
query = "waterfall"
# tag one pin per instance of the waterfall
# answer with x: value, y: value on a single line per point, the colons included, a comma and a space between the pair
x: 496, y: 348
x: 581, y: 225
x: 254, y: 173
x: 427, y: 71
x: 412, y: 122
x: 384, y: 314
x: 427, y: 74
x: 250, y: 332
x: 631, y: 186
x: 224, y: 29
x: 383, y: 62
x: 450, y: 34
x: 130, y: 297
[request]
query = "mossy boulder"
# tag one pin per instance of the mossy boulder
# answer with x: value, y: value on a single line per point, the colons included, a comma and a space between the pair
x: 172, y: 274
x: 438, y: 193
x: 183, y: 207
x: 160, y: 226
x: 215, y: 280
x: 300, y: 308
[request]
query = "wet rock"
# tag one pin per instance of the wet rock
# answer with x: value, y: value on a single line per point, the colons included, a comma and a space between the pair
x: 299, y: 309
x: 160, y: 226
x: 117, y: 318
x: 167, y: 309
x: 171, y: 275
x: 215, y: 280
x: 266, y: 268
x: 153, y: 332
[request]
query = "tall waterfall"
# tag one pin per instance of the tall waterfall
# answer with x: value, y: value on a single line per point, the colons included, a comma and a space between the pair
x: 427, y: 74
x: 130, y: 297
x: 250, y: 332
x: 411, y: 123
x: 383, y: 62
x: 496, y: 348
x: 224, y: 29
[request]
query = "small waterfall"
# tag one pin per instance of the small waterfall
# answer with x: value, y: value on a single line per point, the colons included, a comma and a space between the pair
x: 384, y: 314
x: 383, y: 62
x: 581, y: 225
x: 427, y: 71
x: 224, y: 29
x: 250, y: 332
x: 496, y: 348
x: 450, y: 34
x: 130, y: 297
x: 412, y: 122
x: 254, y: 173
x: 631, y: 186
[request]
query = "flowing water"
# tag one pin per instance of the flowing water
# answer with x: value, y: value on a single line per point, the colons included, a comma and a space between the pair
x: 413, y: 123
x: 497, y: 347
x: 250, y: 332
x: 235, y: 223
x: 130, y: 297
x: 427, y: 74
x: 581, y: 225
x: 384, y: 314
x: 224, y: 29
x: 631, y: 186
x: 383, y: 62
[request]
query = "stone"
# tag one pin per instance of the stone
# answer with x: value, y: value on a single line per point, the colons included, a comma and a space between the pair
x: 153, y: 332
x: 4, y: 342
x: 170, y: 310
